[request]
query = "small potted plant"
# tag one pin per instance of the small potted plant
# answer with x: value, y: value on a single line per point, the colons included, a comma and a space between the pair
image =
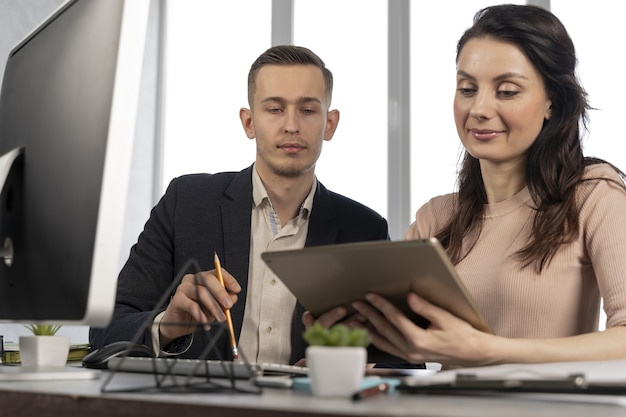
x: 336, y: 358
x: 44, y: 347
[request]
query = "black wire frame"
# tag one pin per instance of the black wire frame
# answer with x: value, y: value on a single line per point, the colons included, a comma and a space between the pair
x: 199, y: 379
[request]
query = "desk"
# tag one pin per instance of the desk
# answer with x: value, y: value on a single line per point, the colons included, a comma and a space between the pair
x: 80, y: 398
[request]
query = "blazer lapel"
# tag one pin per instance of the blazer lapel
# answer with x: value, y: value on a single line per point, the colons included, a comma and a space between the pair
x: 322, y: 231
x: 236, y: 211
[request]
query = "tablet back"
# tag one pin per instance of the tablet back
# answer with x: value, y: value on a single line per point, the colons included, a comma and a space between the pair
x: 322, y: 277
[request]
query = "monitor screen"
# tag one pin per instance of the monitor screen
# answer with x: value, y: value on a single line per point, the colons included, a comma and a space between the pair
x: 68, y: 106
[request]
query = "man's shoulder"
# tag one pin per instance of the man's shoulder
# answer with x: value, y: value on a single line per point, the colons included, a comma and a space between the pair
x: 204, y: 178
x: 216, y: 181
x: 348, y: 206
x: 337, y: 218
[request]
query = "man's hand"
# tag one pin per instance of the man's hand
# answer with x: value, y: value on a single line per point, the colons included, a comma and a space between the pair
x: 199, y: 300
x: 327, y: 319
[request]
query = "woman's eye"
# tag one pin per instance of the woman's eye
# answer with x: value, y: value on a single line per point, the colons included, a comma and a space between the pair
x: 507, y: 93
x: 466, y: 91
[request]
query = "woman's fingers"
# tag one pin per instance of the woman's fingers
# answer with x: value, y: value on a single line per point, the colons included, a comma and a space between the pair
x: 380, y: 314
x: 437, y: 316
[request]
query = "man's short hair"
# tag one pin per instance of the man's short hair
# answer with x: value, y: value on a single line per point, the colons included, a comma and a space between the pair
x: 288, y: 55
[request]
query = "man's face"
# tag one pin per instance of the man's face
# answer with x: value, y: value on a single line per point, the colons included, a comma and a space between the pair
x: 289, y: 118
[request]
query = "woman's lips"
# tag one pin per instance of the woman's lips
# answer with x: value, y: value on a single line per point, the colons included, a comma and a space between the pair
x: 485, y: 134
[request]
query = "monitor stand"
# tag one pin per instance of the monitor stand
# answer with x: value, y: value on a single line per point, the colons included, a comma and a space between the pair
x: 46, y: 373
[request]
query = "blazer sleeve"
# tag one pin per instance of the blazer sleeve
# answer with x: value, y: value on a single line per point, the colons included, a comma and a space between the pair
x: 145, y: 277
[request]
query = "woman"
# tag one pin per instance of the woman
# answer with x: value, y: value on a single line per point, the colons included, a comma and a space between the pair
x: 537, y: 232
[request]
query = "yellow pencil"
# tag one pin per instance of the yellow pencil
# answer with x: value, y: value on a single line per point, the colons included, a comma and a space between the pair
x: 229, y: 320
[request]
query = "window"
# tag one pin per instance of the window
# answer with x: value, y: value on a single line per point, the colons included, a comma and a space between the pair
x: 598, y: 41
x: 435, y: 146
x: 354, y: 162
x: 209, y: 49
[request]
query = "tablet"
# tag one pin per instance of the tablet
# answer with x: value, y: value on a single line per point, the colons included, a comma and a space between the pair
x: 323, y: 277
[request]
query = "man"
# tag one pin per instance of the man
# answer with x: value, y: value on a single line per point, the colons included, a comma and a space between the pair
x: 277, y: 203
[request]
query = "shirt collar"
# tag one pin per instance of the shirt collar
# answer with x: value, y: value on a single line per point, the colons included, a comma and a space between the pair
x: 259, y: 195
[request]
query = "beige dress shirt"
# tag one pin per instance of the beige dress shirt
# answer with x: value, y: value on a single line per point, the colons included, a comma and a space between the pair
x: 266, y: 333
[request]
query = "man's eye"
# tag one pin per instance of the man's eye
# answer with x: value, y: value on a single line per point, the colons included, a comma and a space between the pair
x: 274, y: 110
x: 308, y: 111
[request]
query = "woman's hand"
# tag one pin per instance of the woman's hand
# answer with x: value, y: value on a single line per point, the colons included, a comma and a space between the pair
x: 448, y: 339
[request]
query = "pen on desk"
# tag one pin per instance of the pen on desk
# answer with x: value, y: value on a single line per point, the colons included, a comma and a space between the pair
x: 371, y: 391
x: 229, y: 320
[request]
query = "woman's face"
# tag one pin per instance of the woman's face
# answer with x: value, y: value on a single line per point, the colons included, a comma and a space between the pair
x: 500, y: 102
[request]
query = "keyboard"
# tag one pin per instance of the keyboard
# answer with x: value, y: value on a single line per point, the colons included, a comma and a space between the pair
x: 203, y: 368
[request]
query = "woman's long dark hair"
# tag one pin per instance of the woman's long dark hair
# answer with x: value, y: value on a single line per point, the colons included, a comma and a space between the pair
x: 555, y: 162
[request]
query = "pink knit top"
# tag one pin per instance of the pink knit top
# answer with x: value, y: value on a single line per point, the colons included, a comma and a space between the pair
x: 563, y: 300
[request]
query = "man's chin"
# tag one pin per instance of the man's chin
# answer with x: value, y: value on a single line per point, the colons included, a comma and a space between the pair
x: 292, y: 171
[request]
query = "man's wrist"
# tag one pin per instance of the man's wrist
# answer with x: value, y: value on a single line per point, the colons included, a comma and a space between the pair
x: 164, y: 346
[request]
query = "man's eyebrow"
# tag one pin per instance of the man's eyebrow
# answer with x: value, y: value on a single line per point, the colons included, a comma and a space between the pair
x: 309, y: 100
x: 500, y: 77
x: 282, y: 100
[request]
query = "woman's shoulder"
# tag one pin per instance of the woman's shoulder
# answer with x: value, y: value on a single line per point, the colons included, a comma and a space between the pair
x: 439, y: 205
x: 600, y: 179
x: 602, y: 171
x: 442, y: 200
x: 432, y: 216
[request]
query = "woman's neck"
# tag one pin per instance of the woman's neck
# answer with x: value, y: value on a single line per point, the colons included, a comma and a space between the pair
x: 503, y: 181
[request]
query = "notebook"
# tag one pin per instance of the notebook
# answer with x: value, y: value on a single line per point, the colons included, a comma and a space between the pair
x: 323, y: 277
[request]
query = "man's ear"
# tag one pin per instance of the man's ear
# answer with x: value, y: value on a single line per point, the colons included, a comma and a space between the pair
x: 245, y: 115
x: 332, y: 121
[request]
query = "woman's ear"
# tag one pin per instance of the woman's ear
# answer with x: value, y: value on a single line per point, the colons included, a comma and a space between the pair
x: 548, y: 114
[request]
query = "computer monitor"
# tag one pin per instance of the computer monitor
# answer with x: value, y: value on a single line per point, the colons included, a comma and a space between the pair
x: 68, y: 107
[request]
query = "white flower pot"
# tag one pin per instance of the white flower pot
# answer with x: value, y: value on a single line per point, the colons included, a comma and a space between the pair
x: 336, y: 371
x: 44, y: 350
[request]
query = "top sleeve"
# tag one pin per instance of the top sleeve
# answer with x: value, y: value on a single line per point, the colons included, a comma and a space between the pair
x: 603, y: 224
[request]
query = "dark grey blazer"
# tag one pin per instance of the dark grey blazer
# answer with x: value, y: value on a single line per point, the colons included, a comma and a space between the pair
x: 202, y: 214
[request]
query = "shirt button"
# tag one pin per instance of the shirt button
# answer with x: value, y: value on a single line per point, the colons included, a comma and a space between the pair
x: 268, y: 329
x: 273, y: 282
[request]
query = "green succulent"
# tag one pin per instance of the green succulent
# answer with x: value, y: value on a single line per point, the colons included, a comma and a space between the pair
x: 43, y: 329
x: 337, y: 335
